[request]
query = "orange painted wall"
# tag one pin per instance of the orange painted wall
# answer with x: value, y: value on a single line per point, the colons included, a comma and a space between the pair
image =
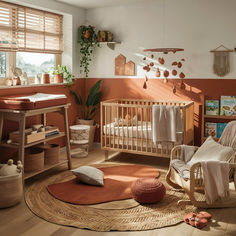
x: 52, y: 118
x: 195, y: 90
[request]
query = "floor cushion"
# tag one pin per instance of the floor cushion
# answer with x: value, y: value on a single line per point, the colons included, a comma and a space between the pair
x: 148, y: 190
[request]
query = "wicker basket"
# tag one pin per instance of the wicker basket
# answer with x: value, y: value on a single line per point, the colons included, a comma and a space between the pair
x: 34, y: 159
x: 11, y: 190
x: 80, y: 133
x: 51, y: 153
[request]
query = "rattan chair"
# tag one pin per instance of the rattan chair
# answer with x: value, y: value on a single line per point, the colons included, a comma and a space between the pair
x: 194, y: 186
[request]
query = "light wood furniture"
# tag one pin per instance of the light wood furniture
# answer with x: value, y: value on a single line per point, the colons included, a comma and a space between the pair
x: 20, y: 117
x: 212, y: 118
x: 136, y: 137
x: 194, y: 187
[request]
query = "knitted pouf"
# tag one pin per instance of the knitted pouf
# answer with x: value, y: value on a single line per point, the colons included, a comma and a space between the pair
x: 148, y: 190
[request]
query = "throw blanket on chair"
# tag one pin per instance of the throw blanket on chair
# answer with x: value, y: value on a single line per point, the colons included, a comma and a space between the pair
x: 216, y: 180
x: 166, y: 123
x: 228, y: 137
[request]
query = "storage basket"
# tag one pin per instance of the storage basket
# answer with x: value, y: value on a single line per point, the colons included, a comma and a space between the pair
x: 51, y: 153
x: 34, y: 159
x: 11, y: 190
x: 80, y: 133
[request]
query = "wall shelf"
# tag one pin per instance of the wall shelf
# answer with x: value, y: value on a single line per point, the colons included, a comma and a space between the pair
x: 111, y: 45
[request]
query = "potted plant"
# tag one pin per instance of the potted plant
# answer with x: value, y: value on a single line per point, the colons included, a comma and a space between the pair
x: 89, y: 108
x: 88, y: 40
x: 91, y: 105
x: 61, y: 73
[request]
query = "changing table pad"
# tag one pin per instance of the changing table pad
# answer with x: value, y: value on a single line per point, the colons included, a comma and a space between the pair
x: 32, y: 101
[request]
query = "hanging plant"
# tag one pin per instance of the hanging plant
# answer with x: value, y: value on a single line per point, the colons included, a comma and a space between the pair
x: 88, y: 40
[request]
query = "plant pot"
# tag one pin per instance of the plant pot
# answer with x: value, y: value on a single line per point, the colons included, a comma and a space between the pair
x: 91, y: 131
x: 45, y: 79
x: 58, y: 78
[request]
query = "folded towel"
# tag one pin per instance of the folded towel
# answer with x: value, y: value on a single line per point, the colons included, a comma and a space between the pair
x: 216, y: 180
x: 167, y: 123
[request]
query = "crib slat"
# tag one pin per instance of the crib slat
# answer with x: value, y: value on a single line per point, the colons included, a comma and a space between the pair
x: 110, y: 126
x: 122, y: 117
x: 146, y: 129
x: 105, y: 126
x: 118, y: 130
x: 141, y: 129
x: 136, y: 131
x: 151, y: 127
x: 132, y: 129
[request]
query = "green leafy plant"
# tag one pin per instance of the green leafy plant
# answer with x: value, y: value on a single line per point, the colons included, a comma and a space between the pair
x: 88, y: 40
x: 91, y: 105
x: 63, y: 71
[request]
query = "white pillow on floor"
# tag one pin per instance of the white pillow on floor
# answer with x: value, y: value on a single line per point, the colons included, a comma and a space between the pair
x: 89, y: 175
x: 210, y: 150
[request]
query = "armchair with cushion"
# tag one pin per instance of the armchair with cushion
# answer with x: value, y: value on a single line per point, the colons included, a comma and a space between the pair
x: 203, y: 172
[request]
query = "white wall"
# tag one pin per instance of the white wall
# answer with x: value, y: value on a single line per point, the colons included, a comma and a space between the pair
x: 73, y: 18
x: 195, y: 25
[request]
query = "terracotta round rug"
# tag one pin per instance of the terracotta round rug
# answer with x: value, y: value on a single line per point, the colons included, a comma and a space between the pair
x: 117, y: 182
x: 97, y: 217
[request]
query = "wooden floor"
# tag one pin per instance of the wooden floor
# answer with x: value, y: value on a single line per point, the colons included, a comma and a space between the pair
x: 20, y: 221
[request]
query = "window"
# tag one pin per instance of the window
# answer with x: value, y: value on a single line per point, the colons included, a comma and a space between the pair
x: 34, y: 63
x: 30, y: 39
x: 3, y: 64
x: 29, y: 30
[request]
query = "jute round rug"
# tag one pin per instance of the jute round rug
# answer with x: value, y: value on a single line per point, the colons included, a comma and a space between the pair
x: 119, y: 215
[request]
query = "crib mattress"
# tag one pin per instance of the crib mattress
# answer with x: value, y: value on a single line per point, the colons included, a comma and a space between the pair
x: 139, y: 131
x: 32, y: 101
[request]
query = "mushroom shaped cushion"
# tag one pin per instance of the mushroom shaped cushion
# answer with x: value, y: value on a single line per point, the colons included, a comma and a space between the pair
x: 148, y: 190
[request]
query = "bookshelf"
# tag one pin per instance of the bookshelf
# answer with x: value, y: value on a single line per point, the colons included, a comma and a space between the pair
x: 213, y: 118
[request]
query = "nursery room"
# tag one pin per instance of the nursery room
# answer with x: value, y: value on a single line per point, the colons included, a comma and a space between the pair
x: 117, y: 117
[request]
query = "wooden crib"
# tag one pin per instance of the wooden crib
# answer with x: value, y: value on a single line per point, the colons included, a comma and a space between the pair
x: 126, y: 126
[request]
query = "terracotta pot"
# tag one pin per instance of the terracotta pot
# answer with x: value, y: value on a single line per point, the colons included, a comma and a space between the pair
x: 58, y: 78
x: 45, y: 79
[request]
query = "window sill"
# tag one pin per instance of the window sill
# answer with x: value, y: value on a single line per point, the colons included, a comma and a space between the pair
x: 31, y: 85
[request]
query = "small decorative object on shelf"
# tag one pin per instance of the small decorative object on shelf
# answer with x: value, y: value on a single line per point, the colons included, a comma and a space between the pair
x: 45, y: 78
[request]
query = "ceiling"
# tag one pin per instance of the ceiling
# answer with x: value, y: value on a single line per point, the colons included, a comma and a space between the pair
x: 98, y: 3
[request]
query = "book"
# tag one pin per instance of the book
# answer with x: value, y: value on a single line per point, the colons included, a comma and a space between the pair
x: 227, y: 105
x: 212, y: 107
x: 220, y: 129
x: 210, y: 129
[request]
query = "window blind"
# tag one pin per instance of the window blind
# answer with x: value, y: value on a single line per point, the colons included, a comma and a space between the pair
x: 29, y: 30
